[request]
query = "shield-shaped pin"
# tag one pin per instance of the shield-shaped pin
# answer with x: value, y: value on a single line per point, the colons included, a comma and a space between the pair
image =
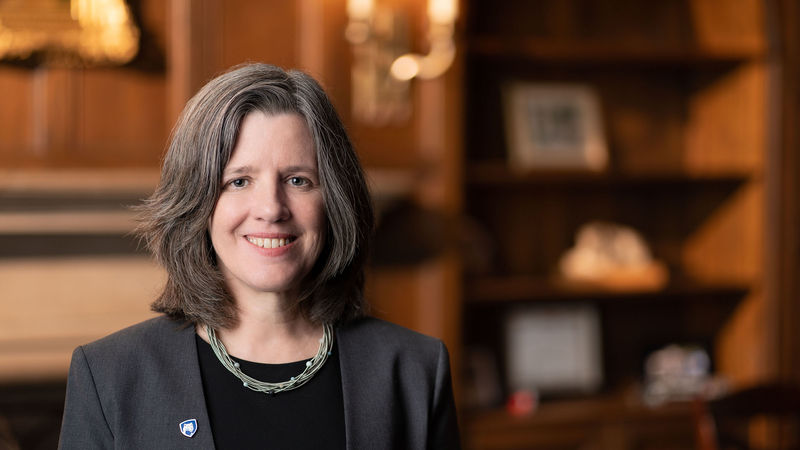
x: 188, y: 427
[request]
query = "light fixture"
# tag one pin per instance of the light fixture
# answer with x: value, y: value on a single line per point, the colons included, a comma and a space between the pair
x: 383, y: 67
x: 75, y: 32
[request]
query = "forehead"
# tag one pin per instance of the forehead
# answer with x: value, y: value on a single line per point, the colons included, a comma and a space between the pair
x: 276, y: 138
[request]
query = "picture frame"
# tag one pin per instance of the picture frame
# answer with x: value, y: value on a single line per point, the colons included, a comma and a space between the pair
x: 554, y: 126
x: 554, y: 349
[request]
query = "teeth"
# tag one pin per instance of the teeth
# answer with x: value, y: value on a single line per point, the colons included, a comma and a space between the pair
x: 268, y: 243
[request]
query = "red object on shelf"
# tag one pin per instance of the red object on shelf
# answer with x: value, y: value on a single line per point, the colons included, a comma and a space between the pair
x: 521, y: 403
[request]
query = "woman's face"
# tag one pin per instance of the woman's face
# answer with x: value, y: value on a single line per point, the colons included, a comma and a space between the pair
x: 269, y: 222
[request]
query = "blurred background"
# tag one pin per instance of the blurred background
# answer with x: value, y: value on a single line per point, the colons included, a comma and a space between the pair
x: 594, y: 203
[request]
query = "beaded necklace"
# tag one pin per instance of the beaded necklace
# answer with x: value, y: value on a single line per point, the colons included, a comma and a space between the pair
x: 312, y: 366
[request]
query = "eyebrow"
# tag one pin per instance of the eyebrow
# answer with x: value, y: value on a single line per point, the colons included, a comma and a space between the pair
x: 307, y: 169
x: 248, y: 169
x: 237, y: 170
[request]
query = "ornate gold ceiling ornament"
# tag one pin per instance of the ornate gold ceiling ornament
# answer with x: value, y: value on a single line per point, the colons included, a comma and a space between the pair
x: 73, y: 32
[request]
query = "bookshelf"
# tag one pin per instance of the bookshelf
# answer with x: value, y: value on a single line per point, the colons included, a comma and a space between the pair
x: 684, y: 99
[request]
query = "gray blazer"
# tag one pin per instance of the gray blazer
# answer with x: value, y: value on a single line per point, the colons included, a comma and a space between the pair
x: 132, y: 389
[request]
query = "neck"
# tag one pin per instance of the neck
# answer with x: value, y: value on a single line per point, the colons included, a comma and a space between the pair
x: 269, y: 331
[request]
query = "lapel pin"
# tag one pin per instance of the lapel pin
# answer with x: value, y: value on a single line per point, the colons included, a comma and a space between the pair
x: 188, y: 427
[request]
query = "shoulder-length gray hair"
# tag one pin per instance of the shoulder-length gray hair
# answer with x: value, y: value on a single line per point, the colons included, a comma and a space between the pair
x: 175, y: 218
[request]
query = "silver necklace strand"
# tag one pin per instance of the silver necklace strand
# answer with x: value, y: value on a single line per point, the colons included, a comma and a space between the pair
x: 312, y: 365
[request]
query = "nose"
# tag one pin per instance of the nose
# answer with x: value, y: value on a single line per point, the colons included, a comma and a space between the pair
x: 269, y: 203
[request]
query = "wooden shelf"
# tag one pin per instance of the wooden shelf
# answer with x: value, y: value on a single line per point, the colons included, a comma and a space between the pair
x: 67, y: 222
x: 592, y: 52
x: 568, y: 424
x: 500, y: 289
x: 497, y: 174
x: 590, y: 409
x: 53, y: 183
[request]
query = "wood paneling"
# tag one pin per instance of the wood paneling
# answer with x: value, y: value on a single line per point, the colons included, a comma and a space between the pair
x: 93, y: 117
x: 784, y: 187
x: 263, y: 31
x: 122, y: 119
x: 17, y: 114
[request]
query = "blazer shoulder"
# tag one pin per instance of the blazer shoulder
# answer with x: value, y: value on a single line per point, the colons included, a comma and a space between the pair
x: 370, y: 332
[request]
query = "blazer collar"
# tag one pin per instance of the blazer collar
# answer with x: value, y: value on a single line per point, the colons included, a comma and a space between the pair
x: 366, y: 423
x: 189, y: 393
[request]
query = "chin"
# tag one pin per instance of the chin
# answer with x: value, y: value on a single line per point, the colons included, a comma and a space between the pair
x: 276, y: 285
x: 266, y: 281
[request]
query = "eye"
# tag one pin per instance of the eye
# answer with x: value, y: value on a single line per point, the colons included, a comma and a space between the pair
x: 238, y: 183
x: 299, y: 181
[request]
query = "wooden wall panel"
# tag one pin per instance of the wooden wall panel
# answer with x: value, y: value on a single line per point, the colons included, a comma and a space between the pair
x: 392, y: 294
x: 56, y: 121
x: 784, y: 205
x: 264, y: 31
x: 89, y: 117
x: 122, y: 119
x: 207, y: 38
x: 325, y: 53
x: 16, y: 114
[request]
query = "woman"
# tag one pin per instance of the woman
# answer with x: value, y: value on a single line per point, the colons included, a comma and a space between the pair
x: 262, y: 220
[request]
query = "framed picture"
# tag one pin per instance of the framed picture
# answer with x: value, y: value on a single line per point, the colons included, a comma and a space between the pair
x: 554, y: 126
x: 554, y: 349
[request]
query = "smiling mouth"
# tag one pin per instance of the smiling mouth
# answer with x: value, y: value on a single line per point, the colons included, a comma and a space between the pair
x: 270, y: 243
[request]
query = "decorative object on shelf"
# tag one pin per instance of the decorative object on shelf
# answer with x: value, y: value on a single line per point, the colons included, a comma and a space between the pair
x: 612, y: 256
x: 554, y: 350
x: 382, y: 65
x: 522, y: 402
x: 76, y: 32
x: 554, y: 126
x: 680, y: 373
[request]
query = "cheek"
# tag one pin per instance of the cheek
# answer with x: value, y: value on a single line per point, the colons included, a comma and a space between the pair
x: 317, y: 221
x: 322, y: 233
x: 223, y: 219
x: 320, y: 220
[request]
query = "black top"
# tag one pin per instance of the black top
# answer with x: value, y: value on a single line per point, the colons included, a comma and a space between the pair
x: 309, y: 417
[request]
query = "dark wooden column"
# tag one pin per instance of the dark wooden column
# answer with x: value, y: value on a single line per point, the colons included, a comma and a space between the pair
x: 784, y: 195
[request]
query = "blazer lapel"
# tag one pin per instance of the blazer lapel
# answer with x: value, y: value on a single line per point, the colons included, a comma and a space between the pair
x: 366, y: 417
x: 184, y: 398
